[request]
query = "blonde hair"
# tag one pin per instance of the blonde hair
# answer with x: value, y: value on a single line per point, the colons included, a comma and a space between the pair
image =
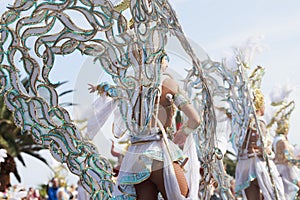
x: 259, y: 99
x: 62, y: 183
x: 282, y: 126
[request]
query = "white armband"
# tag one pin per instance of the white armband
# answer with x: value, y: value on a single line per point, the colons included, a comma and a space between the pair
x: 180, y: 100
x: 187, y: 130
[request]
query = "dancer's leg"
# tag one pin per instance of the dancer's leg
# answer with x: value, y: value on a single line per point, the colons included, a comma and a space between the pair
x: 158, y: 179
x: 253, y: 192
x: 184, y: 189
x: 146, y: 190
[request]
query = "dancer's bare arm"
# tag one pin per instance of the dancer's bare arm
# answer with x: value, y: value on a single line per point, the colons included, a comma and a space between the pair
x: 187, y: 108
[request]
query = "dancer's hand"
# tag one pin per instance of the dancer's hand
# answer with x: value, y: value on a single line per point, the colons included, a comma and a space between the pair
x: 180, y: 138
x: 92, y: 88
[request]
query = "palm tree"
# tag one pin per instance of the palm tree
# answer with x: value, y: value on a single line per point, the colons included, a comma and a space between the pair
x: 230, y: 163
x: 16, y: 142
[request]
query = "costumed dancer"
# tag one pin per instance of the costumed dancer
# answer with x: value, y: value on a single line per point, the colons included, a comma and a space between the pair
x: 252, y: 175
x: 286, y: 163
x: 256, y: 175
x: 153, y: 164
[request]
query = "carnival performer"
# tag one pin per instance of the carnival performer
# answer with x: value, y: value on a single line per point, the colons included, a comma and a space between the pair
x: 252, y: 171
x: 285, y: 160
x: 153, y: 164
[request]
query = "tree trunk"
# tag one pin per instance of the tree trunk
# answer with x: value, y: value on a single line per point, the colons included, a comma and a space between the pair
x: 4, y: 181
x: 5, y: 169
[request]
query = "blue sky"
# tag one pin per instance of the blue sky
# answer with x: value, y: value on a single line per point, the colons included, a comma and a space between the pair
x: 216, y: 26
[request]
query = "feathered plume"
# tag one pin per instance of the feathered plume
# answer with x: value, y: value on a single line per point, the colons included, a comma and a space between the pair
x: 245, y: 53
x: 280, y: 98
x: 247, y: 50
x: 280, y: 94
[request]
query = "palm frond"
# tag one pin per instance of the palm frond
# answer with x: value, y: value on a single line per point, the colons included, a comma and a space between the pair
x: 20, y: 158
x: 65, y: 92
x: 59, y: 84
x: 17, y: 175
x: 67, y: 104
x: 37, y: 156
x: 17, y: 142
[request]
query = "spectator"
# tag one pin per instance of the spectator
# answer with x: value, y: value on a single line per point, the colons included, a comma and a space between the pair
x: 62, y: 193
x: 52, y: 190
x: 72, y: 192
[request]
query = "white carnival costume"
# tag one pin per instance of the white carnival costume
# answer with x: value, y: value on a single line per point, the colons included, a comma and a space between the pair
x: 287, y: 164
x: 152, y: 144
x: 287, y: 169
x: 125, y: 39
x: 251, y: 165
x: 248, y: 130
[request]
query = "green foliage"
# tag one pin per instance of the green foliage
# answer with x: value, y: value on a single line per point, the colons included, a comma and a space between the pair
x: 43, y: 190
x: 15, y: 142
x: 230, y: 163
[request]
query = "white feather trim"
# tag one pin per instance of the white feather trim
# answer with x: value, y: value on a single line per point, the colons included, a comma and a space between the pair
x: 281, y: 93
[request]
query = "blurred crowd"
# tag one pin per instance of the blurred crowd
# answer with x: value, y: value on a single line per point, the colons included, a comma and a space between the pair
x: 56, y: 189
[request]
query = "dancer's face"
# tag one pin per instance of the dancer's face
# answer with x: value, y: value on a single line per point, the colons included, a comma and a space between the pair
x: 262, y: 110
x: 164, y: 63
